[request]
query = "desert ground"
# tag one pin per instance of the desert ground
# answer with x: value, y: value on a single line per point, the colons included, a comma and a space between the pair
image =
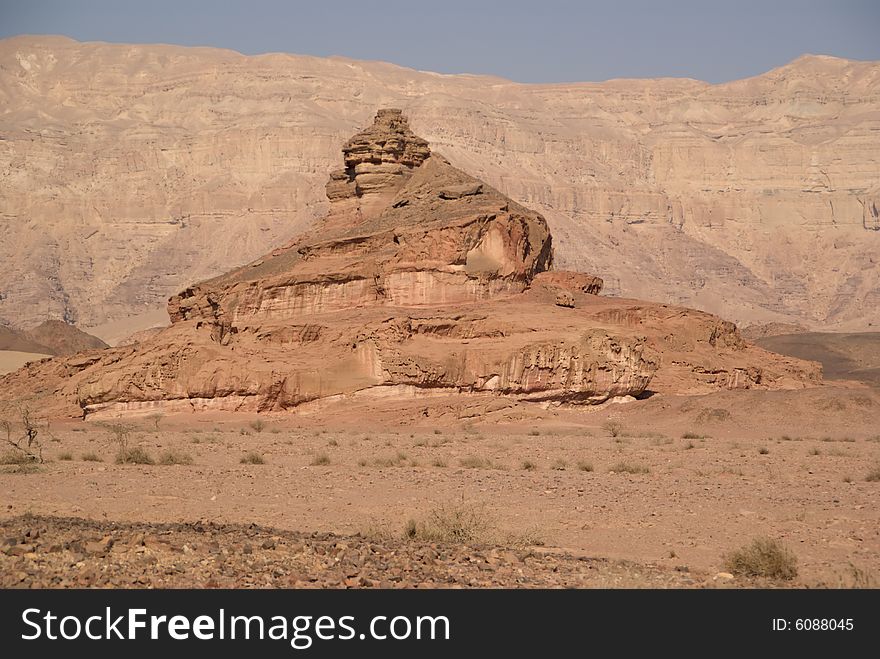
x: 650, y: 493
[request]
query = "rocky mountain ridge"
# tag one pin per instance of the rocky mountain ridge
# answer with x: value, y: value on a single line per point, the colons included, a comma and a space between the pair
x: 121, y: 166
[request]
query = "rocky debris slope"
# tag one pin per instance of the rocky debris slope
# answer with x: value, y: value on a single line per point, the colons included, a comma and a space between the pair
x: 51, y: 337
x: 442, y: 288
x: 122, y: 164
x: 38, y: 552
x: 62, y: 338
x: 11, y: 339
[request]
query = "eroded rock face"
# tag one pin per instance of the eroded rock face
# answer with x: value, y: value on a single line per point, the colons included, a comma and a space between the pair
x: 421, y: 280
x: 378, y: 159
x: 426, y: 234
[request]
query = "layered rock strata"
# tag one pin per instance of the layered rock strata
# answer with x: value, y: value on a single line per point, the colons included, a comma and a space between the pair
x: 420, y: 280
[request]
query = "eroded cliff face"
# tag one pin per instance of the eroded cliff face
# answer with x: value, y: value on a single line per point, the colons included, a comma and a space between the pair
x: 131, y: 171
x: 419, y: 233
x: 425, y: 281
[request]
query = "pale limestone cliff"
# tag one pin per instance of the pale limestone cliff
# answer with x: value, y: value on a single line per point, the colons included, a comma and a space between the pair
x: 130, y: 171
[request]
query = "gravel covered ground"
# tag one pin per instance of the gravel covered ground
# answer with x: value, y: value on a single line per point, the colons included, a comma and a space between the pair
x: 59, y: 552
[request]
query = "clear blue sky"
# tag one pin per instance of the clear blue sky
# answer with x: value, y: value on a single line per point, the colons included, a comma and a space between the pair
x: 540, y: 41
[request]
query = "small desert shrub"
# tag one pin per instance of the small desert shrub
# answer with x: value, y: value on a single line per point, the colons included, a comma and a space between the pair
x: 362, y: 462
x: 397, y: 461
x: 476, y: 462
x: 15, y: 458
x: 629, y: 468
x: 134, y: 455
x: 333, y: 443
x: 693, y: 435
x: 873, y: 475
x: 175, y: 457
x: 528, y: 465
x: 534, y: 433
x: 454, y: 524
x: 584, y: 465
x: 714, y: 414
x: 437, y: 431
x: 847, y: 479
x: 259, y: 425
x: 67, y: 455
x: 690, y: 445
x: 253, y: 458
x: 763, y: 450
x: 91, y: 456
x: 613, y: 428
x: 321, y: 460
x: 155, y: 418
x: 559, y: 465
x: 438, y: 462
x: 762, y: 558
x: 815, y: 451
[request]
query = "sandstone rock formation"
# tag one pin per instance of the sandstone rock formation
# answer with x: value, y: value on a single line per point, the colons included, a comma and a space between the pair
x: 122, y: 165
x: 420, y: 280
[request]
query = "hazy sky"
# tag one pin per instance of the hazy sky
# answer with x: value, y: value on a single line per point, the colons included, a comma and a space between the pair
x: 540, y: 41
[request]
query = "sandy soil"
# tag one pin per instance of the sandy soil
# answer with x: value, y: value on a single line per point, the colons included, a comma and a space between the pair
x: 12, y: 360
x: 712, y: 473
x: 115, y: 331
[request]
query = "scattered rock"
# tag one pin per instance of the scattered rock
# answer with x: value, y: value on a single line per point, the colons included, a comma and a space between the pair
x: 565, y: 299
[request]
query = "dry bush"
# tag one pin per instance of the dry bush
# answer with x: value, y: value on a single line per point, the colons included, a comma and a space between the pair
x: 175, y: 457
x: 321, y: 460
x: 629, y: 468
x: 120, y: 434
x: 135, y: 455
x: 613, y: 428
x: 559, y: 465
x: 91, y: 456
x: 253, y: 458
x: 455, y: 524
x: 762, y: 558
x: 15, y: 458
x: 397, y: 461
x: 713, y: 414
x: 259, y: 425
x: 584, y: 465
x: 528, y: 465
x: 156, y: 417
x: 873, y: 475
x: 24, y: 444
x: 476, y: 462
